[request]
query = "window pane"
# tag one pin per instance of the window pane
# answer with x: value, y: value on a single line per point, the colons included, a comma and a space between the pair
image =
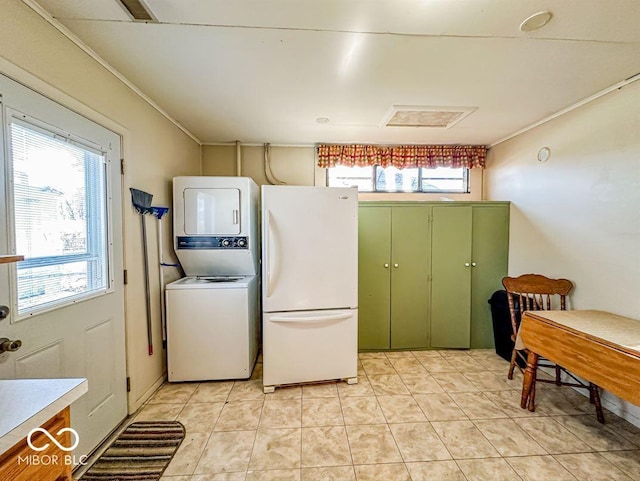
x: 391, y: 179
x: 443, y: 173
x: 444, y: 179
x: 60, y: 217
x: 360, y: 177
x: 448, y: 185
x: 43, y: 285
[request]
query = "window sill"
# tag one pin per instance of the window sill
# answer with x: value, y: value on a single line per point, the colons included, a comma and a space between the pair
x: 415, y: 196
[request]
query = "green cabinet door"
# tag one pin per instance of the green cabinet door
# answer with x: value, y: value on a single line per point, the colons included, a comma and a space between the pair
x: 374, y: 247
x: 451, y: 276
x: 410, y: 267
x: 490, y: 255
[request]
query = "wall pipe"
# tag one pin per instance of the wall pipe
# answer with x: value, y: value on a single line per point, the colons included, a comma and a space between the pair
x: 163, y: 311
x: 238, y: 159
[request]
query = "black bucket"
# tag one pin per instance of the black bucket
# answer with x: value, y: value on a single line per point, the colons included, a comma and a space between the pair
x: 502, y: 329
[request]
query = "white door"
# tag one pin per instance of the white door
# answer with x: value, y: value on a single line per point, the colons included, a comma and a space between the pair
x: 211, y: 211
x: 61, y: 209
x: 310, y: 248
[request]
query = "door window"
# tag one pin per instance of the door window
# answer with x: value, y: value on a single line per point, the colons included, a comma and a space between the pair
x: 59, y: 210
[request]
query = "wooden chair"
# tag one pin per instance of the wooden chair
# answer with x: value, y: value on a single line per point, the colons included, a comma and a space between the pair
x: 534, y: 292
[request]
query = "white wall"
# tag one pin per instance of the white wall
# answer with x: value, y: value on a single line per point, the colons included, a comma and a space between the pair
x: 293, y: 165
x: 35, y: 53
x: 578, y: 214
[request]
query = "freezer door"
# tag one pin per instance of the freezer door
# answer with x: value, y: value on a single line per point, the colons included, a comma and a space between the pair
x: 310, y: 346
x: 211, y: 211
x: 310, y: 248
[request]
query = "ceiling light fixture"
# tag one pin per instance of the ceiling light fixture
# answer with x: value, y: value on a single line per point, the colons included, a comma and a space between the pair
x: 543, y: 154
x: 138, y: 10
x: 322, y: 120
x: 424, y: 116
x: 536, y: 21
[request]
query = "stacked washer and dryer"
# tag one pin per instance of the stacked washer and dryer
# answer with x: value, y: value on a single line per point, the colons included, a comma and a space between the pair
x: 213, y: 314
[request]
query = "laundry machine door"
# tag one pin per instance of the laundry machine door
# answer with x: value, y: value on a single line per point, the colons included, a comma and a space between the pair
x: 211, y: 211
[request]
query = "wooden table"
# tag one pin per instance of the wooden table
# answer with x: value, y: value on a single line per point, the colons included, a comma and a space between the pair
x: 601, y: 347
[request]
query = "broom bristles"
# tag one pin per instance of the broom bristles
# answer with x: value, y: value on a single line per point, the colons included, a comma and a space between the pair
x: 141, y: 200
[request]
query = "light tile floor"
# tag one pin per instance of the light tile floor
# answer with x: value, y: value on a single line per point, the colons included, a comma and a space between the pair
x: 420, y: 415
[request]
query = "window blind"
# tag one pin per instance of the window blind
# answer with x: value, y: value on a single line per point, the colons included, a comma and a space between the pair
x: 59, y: 209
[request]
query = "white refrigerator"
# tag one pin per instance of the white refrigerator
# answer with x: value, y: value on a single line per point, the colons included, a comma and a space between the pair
x: 309, y: 284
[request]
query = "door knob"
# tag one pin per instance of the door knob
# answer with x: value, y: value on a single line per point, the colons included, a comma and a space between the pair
x: 4, y: 312
x: 473, y: 264
x: 386, y: 266
x: 396, y: 265
x: 466, y: 264
x: 9, y: 345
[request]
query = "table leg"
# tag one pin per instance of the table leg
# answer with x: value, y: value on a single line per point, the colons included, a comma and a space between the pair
x: 529, y: 380
x: 595, y: 397
x: 532, y: 394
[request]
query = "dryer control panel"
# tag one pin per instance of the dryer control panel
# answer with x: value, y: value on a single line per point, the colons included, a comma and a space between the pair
x: 212, y: 242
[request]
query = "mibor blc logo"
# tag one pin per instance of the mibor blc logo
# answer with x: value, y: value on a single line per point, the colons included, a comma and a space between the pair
x: 39, y: 445
x: 76, y: 439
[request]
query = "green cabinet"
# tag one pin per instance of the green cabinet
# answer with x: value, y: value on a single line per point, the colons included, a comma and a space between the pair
x: 393, y: 275
x: 451, y: 275
x: 470, y: 254
x: 490, y: 254
x: 410, y: 265
x: 374, y: 275
x: 426, y: 271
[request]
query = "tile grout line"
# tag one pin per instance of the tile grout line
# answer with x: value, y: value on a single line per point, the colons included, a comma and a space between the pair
x: 204, y: 448
x: 255, y: 438
x: 421, y: 410
x: 346, y: 433
x: 395, y: 442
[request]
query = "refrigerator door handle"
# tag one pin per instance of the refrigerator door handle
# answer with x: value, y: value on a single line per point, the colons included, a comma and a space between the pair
x: 270, y: 257
x: 310, y: 319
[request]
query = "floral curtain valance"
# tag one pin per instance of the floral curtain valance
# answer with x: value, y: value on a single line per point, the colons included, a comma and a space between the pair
x: 402, y: 156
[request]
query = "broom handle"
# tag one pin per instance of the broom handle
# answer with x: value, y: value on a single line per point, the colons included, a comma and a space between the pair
x: 146, y: 283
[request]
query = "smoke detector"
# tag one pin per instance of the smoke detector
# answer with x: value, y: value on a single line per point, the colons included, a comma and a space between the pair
x: 425, y: 116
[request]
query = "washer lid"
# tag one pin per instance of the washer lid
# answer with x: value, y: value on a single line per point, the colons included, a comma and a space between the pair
x: 212, y: 282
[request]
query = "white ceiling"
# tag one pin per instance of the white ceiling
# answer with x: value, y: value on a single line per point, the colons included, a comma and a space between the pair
x: 262, y: 71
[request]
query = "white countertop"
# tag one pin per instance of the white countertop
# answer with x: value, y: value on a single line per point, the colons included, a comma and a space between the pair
x: 28, y: 403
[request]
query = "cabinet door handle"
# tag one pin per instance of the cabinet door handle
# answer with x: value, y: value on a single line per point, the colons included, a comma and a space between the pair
x: 466, y: 264
x: 396, y: 265
x: 473, y: 264
x: 386, y: 266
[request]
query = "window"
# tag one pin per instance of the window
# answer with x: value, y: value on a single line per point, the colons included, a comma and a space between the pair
x: 60, y: 215
x: 391, y: 179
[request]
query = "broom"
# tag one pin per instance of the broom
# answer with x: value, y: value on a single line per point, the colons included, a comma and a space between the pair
x: 142, y: 203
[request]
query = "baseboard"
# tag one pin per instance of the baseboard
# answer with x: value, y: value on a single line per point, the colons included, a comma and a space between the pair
x: 139, y: 402
x: 620, y: 407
